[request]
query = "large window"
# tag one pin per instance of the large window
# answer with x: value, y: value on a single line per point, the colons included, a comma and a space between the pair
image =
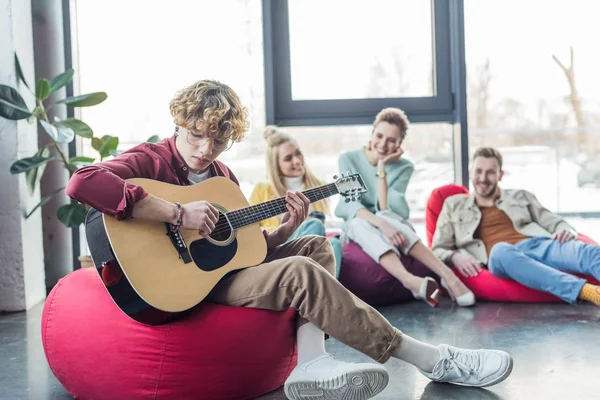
x: 534, y: 99
x: 342, y: 50
x: 339, y: 62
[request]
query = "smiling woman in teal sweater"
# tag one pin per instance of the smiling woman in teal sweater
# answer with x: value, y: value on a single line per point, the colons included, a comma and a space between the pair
x: 379, y: 222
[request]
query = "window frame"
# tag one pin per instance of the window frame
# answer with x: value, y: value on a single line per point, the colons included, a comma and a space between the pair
x: 283, y: 110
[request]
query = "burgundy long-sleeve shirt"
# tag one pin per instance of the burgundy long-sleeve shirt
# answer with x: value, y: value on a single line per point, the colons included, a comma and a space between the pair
x: 102, y: 185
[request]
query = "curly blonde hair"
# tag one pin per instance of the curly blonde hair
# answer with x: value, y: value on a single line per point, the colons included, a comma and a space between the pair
x: 275, y: 138
x: 393, y: 116
x: 211, y: 108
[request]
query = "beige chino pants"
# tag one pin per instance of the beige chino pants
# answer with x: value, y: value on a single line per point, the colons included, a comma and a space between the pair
x: 300, y: 274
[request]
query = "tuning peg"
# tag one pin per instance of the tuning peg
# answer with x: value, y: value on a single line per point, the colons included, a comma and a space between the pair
x: 335, y: 177
x: 347, y: 200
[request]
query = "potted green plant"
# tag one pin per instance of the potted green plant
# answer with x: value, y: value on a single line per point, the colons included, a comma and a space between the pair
x: 13, y: 107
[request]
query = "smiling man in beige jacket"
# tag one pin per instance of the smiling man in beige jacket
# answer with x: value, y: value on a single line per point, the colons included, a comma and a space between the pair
x: 515, y: 236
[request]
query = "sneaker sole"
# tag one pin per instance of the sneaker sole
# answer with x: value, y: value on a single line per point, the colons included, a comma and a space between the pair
x: 495, y: 381
x: 359, y: 385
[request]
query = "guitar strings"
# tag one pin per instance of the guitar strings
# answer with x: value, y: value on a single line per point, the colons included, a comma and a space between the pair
x: 260, y: 211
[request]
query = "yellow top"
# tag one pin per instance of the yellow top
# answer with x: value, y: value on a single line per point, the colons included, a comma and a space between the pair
x: 264, y: 192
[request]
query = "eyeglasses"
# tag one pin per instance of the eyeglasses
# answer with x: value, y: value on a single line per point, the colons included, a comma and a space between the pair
x: 200, y: 140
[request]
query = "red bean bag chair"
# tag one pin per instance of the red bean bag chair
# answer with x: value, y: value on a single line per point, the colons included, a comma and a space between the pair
x: 371, y: 282
x: 486, y: 286
x: 216, y: 352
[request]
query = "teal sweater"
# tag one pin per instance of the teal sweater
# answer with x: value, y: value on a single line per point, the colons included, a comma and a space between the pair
x: 398, y: 174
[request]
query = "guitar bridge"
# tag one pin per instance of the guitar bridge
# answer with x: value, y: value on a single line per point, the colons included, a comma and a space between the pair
x: 179, y: 244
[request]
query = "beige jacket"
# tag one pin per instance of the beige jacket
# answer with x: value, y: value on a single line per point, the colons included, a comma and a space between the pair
x: 460, y: 217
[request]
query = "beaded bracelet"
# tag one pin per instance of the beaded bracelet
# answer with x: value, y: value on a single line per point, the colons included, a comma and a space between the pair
x: 175, y: 227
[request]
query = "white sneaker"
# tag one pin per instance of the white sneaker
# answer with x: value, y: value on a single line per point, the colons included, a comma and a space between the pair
x: 477, y: 368
x: 327, y: 378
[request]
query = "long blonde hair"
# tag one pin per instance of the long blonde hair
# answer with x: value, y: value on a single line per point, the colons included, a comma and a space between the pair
x: 275, y: 138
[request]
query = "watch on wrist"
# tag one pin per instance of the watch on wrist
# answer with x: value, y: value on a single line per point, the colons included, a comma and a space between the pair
x: 380, y: 174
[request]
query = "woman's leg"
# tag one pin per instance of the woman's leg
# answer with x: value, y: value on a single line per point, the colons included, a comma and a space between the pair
x: 372, y: 241
x: 415, y: 248
x: 392, y: 264
x: 426, y: 256
x: 338, y: 252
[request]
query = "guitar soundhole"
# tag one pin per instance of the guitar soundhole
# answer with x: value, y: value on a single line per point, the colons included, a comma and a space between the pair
x: 222, y: 231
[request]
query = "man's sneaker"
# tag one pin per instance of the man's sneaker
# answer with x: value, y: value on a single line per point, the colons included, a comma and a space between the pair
x: 477, y: 368
x: 327, y: 378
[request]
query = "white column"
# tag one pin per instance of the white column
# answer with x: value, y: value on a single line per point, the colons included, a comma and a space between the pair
x: 22, y: 277
x: 49, y: 54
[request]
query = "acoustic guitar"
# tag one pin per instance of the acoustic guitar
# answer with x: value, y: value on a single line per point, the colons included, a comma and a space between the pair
x: 154, y: 274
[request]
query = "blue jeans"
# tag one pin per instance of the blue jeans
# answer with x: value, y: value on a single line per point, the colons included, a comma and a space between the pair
x: 313, y: 226
x: 543, y: 264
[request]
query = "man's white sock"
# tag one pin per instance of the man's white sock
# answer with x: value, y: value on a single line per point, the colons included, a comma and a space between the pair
x: 311, y: 342
x: 420, y: 354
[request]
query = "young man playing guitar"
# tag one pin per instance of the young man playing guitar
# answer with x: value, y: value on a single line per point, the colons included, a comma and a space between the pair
x: 209, y: 119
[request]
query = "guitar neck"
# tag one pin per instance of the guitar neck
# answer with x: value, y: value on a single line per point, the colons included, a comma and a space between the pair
x: 259, y: 212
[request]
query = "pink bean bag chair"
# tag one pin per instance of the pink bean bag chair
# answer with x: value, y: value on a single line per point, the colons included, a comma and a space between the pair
x: 486, y: 286
x: 215, y: 352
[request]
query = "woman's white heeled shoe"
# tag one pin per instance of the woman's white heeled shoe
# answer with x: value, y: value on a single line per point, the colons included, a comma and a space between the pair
x: 465, y: 300
x: 429, y: 292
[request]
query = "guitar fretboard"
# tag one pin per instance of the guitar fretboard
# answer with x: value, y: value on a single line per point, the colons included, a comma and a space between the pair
x: 266, y: 210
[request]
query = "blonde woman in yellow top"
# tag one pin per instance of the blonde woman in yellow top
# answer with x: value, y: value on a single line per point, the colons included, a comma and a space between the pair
x: 287, y: 172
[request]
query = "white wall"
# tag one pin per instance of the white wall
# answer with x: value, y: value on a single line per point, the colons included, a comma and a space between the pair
x: 22, y: 278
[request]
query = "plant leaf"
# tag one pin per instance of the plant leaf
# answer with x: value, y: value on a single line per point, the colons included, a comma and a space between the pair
x: 42, y: 89
x: 12, y: 105
x: 72, y: 215
x: 76, y: 162
x: 25, y: 164
x: 153, y: 139
x: 85, y: 100
x: 96, y: 143
x: 79, y: 127
x: 34, y: 175
x: 44, y: 201
x: 65, y: 134
x: 60, y: 134
x: 50, y: 129
x: 20, y: 74
x: 61, y: 80
x: 109, y: 143
x: 81, y: 160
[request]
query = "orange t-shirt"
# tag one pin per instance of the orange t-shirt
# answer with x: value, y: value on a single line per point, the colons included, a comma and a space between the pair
x: 496, y: 226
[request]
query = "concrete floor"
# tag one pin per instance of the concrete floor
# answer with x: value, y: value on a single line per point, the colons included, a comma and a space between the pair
x: 555, y: 349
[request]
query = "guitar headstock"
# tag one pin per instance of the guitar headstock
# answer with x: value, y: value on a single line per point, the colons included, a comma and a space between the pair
x: 350, y: 186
